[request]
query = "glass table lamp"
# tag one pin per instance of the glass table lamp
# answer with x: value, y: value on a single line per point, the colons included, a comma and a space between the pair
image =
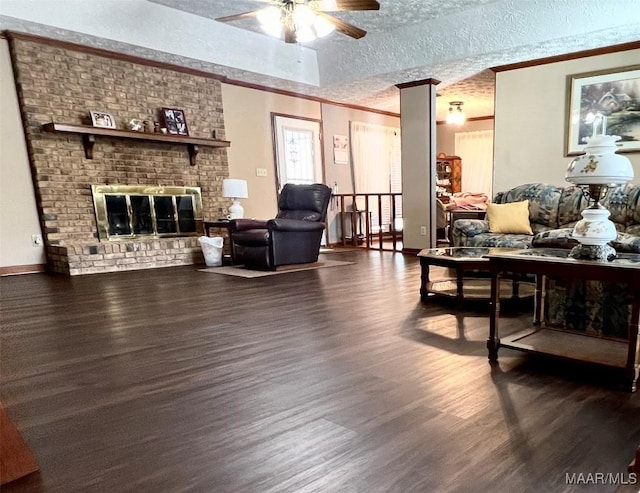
x: 595, y: 172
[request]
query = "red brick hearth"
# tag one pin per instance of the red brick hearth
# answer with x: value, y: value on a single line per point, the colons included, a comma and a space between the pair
x: 60, y: 83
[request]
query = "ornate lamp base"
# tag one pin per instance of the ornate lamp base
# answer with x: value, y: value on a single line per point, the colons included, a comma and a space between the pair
x: 594, y: 232
x: 602, y: 253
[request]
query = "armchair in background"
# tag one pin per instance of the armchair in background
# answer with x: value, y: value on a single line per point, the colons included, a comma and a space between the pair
x: 292, y: 237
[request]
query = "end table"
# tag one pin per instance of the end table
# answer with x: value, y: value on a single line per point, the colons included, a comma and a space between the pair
x: 226, y: 225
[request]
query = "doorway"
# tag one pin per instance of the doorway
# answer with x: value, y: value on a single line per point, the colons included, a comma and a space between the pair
x: 298, y: 150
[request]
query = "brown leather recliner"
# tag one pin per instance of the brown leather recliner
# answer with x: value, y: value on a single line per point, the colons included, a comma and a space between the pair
x: 293, y: 237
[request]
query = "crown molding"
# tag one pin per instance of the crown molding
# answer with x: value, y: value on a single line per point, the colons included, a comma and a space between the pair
x: 633, y: 45
x: 12, y: 35
x: 415, y: 83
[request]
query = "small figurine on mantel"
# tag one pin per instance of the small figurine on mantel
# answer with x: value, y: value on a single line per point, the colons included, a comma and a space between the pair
x: 135, y: 125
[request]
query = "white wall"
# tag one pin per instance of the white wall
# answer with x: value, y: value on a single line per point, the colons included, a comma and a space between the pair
x: 18, y: 213
x: 530, y: 120
x: 247, y: 120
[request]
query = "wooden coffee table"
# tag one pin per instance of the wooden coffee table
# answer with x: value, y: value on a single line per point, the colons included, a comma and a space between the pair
x: 471, y: 268
x: 620, y: 355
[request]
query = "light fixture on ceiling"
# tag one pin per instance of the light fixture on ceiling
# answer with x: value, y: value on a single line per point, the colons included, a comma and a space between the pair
x: 301, y: 19
x: 455, y: 115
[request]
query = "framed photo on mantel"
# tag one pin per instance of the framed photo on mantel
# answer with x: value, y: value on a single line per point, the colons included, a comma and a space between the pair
x: 102, y: 119
x: 175, y: 121
x: 613, y: 94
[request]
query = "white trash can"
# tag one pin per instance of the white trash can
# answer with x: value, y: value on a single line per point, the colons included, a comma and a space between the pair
x: 212, y: 250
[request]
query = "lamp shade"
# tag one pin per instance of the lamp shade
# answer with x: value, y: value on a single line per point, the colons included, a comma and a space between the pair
x: 235, y: 189
x: 600, y: 165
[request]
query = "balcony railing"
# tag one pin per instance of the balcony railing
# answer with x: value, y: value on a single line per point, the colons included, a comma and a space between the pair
x: 370, y: 220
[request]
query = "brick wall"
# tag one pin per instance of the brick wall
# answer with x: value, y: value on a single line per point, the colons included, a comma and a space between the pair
x: 56, y: 83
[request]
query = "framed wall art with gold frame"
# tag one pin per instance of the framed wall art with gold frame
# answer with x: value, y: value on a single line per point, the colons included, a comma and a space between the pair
x: 613, y: 93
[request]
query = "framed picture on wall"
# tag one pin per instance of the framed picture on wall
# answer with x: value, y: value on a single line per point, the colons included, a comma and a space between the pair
x: 605, y: 98
x: 175, y: 121
x: 340, y: 149
x: 102, y: 119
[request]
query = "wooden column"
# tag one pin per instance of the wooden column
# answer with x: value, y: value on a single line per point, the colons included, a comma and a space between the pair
x: 16, y: 460
x: 418, y: 125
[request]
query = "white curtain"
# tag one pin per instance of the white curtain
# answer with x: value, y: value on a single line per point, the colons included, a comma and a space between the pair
x: 372, y: 147
x: 375, y: 157
x: 476, y: 151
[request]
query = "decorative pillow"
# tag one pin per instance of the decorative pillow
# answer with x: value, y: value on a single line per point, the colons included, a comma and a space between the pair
x: 555, y: 238
x: 509, y: 218
x: 626, y: 243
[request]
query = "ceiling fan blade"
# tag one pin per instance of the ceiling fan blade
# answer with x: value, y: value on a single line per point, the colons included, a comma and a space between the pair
x: 344, y: 27
x: 346, y: 5
x: 236, y: 17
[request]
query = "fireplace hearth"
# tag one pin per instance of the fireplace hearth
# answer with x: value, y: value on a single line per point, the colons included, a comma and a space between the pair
x: 138, y: 227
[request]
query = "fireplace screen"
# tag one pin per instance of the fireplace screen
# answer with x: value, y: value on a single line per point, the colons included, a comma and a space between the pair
x: 129, y: 211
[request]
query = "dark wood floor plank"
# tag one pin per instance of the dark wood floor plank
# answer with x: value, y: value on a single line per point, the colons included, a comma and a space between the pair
x: 329, y: 380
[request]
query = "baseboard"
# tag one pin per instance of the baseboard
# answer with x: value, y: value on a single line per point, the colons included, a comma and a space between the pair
x: 411, y: 250
x: 13, y: 270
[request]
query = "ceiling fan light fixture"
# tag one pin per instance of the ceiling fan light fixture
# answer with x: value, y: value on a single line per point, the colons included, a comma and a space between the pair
x: 327, y: 5
x: 309, y: 25
x: 298, y: 21
x: 456, y: 115
x: 303, y: 16
x: 322, y: 27
x: 305, y: 34
x: 270, y: 20
x: 299, y: 18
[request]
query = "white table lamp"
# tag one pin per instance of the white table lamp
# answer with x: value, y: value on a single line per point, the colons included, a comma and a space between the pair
x: 235, y: 189
x: 596, y: 172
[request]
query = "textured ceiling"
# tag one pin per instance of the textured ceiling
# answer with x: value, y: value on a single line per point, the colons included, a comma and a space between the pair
x: 454, y: 41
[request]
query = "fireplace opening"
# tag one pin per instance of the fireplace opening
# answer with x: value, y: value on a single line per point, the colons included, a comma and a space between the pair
x: 130, y: 211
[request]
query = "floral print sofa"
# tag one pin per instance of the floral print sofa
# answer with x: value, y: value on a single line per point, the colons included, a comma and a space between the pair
x: 591, y: 306
x: 553, y: 211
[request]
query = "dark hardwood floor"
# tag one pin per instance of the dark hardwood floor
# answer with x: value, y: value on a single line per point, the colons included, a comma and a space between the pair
x: 331, y: 380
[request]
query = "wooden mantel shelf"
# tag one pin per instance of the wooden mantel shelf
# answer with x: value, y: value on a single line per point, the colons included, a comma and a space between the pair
x: 89, y: 136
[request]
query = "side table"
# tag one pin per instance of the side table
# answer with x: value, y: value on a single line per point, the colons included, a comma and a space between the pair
x: 620, y: 355
x: 226, y: 225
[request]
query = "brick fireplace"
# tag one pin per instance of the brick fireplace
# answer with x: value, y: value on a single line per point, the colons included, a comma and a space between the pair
x: 59, y: 82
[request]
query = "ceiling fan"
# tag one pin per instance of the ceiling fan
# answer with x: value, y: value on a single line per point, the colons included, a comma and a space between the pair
x: 300, y: 21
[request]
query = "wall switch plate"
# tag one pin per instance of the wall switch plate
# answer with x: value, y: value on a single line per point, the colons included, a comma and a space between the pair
x: 261, y: 171
x: 36, y: 240
x: 423, y: 231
